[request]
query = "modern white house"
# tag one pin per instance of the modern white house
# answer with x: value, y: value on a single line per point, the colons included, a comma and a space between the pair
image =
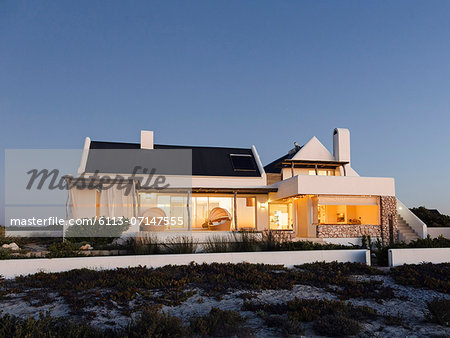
x: 308, y: 193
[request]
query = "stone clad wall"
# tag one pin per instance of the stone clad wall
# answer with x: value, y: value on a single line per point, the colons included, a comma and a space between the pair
x: 388, y: 205
x: 348, y: 230
x: 388, y: 209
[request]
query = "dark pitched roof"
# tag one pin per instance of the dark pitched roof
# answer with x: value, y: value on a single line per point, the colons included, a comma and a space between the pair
x: 206, y: 161
x: 274, y: 168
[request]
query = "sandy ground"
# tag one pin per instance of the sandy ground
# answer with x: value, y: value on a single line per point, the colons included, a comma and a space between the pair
x: 410, y: 304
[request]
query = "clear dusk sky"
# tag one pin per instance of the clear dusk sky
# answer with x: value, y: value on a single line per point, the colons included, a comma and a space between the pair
x: 236, y: 73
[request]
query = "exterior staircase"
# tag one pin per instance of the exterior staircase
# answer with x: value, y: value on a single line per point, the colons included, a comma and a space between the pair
x: 405, y: 232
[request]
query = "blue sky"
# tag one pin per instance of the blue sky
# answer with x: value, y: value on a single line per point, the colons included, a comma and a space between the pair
x: 236, y: 73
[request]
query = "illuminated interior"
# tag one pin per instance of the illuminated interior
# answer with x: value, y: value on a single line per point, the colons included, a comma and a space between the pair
x: 280, y: 216
x: 348, y: 214
x: 202, y: 206
x: 322, y: 172
x: 175, y: 205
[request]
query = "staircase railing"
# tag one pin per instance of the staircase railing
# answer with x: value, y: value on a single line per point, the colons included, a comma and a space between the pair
x: 413, y: 221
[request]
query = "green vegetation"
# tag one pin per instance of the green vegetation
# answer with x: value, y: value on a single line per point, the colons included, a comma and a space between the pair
x: 217, y: 244
x: 431, y: 218
x: 219, y: 323
x: 382, y: 249
x: 46, y: 326
x: 80, y: 288
x: 63, y: 249
x: 328, y: 275
x: 140, y: 293
x: 96, y: 231
x: 284, y: 324
x: 181, y: 245
x: 151, y: 322
x: 439, y: 311
x: 336, y: 326
x: 172, y: 285
x: 324, y: 313
x: 145, y: 245
x: 431, y: 276
x: 308, y: 310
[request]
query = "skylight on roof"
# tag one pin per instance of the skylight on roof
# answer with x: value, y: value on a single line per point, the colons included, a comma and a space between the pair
x: 243, y: 162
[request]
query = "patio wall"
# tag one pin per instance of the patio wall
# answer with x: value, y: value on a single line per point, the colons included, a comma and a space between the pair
x: 418, y: 256
x: 436, y: 232
x: 347, y: 230
x: 16, y: 267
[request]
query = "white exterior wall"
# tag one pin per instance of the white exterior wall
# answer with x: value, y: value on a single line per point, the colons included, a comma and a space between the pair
x: 341, y: 144
x: 304, y: 217
x: 146, y: 139
x: 418, y: 256
x: 335, y: 185
x: 436, y: 232
x: 15, y: 267
x: 262, y: 213
x: 84, y: 156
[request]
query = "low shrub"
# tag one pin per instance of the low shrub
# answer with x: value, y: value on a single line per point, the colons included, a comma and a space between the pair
x: 245, y: 241
x: 148, y: 245
x: 394, y: 320
x: 439, y: 311
x: 305, y: 245
x: 281, y: 241
x: 5, y: 254
x: 338, y: 268
x: 47, y: 326
x: 80, y: 287
x: 427, y: 275
x: 322, y: 274
x: 63, y: 249
x: 336, y: 326
x: 217, y: 244
x: 219, y: 323
x: 431, y: 218
x: 152, y: 323
x: 97, y: 231
x: 285, y: 325
x: 181, y: 245
x: 307, y: 310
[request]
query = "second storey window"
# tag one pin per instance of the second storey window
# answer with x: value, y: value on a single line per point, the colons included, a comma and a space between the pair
x: 321, y: 172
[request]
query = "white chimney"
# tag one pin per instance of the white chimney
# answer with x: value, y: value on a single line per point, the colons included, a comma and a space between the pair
x: 146, y: 139
x: 341, y: 144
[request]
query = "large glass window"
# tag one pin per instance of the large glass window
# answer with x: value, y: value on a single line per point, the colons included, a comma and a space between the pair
x: 246, y: 212
x: 348, y: 214
x: 217, y: 213
x: 321, y: 172
x: 280, y: 216
x: 171, y: 206
x: 212, y: 213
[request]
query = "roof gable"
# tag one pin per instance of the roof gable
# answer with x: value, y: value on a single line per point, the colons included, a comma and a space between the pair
x: 313, y: 150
